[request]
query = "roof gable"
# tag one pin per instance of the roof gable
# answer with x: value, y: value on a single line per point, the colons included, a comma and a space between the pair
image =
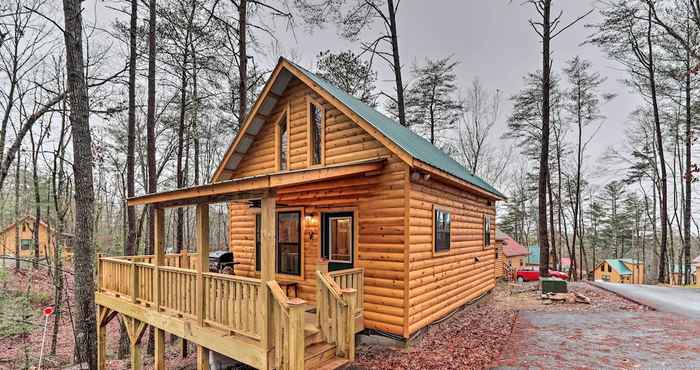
x: 402, y: 141
x: 619, y: 266
x: 511, y: 248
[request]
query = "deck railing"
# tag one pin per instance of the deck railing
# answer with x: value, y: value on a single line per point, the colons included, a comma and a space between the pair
x: 178, y: 290
x: 352, y: 279
x: 234, y: 303
x: 115, y: 275
x: 335, y: 308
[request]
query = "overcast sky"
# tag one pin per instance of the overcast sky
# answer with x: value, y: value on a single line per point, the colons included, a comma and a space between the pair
x: 492, y: 39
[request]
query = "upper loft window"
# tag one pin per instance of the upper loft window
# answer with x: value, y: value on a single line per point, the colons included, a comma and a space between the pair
x: 316, y: 123
x: 283, y: 143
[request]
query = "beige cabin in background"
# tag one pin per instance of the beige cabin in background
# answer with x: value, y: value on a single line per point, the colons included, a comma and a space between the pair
x: 47, y: 239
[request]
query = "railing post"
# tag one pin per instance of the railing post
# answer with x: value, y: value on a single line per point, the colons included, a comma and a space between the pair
x: 321, y: 303
x: 98, y: 272
x: 295, y: 336
x: 184, y: 259
x: 202, y: 235
x: 134, y: 283
x: 350, y: 297
x: 159, y: 236
x: 268, y: 206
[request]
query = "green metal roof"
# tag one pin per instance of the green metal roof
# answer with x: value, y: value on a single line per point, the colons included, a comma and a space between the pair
x: 415, y: 145
x: 619, y: 266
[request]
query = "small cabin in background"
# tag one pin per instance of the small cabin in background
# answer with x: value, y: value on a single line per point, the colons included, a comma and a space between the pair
x: 48, y: 239
x: 624, y: 271
x: 513, y: 255
x: 676, y: 275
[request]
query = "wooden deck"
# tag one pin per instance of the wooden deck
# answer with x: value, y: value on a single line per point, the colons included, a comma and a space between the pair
x: 226, y: 313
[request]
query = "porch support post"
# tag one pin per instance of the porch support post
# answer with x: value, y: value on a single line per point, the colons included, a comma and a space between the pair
x: 267, y: 269
x: 101, y: 341
x: 158, y: 253
x: 202, y: 358
x: 202, y: 235
x: 159, y: 351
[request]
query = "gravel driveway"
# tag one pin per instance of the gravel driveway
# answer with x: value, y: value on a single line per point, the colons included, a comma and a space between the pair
x: 684, y: 301
x: 615, y: 337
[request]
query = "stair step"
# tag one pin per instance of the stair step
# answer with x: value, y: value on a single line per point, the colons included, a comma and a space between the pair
x: 333, y: 364
x: 317, y: 354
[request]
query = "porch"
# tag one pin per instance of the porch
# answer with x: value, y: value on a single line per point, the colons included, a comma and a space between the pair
x: 250, y: 319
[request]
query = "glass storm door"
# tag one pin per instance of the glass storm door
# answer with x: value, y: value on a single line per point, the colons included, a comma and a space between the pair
x: 338, y: 233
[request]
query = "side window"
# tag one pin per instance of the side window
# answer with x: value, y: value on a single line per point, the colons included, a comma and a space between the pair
x: 316, y: 124
x: 289, y: 243
x: 487, y: 231
x: 441, y: 223
x: 609, y: 268
x: 282, y: 143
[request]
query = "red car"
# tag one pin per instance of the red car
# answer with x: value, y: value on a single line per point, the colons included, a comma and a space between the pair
x: 533, y: 274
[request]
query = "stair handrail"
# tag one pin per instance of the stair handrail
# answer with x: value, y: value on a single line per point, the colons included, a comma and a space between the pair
x: 288, y: 324
x: 335, y: 315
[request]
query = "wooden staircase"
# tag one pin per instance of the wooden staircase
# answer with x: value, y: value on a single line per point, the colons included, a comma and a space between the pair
x: 319, y: 354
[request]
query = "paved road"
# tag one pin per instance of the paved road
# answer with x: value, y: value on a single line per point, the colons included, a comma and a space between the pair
x: 683, y: 301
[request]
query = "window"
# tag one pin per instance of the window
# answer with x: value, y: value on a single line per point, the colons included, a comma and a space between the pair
x: 602, y: 268
x: 26, y: 244
x: 609, y: 268
x: 283, y: 143
x: 257, y: 241
x: 340, y: 239
x: 316, y: 114
x: 289, y: 243
x: 487, y: 231
x: 442, y: 223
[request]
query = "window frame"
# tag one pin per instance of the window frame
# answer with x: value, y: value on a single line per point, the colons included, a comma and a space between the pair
x: 299, y: 273
x: 310, y: 143
x: 29, y: 245
x: 284, y: 115
x: 486, y: 231
x: 435, y: 250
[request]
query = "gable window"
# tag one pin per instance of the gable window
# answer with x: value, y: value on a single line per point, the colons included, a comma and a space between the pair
x: 487, y: 231
x: 289, y: 243
x: 282, y: 143
x: 609, y: 268
x: 441, y: 223
x: 602, y: 268
x: 316, y: 118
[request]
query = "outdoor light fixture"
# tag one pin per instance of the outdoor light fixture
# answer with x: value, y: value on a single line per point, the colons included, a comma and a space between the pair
x: 310, y: 220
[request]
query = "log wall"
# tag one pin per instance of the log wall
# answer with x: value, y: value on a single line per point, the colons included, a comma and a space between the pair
x: 378, y: 201
x: 440, y: 283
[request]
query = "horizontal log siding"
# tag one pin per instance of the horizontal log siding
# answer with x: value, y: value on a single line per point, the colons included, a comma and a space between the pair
x: 500, y: 261
x: 438, y: 284
x: 379, y: 201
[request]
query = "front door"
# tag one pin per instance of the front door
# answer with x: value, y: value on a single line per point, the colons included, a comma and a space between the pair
x: 338, y: 236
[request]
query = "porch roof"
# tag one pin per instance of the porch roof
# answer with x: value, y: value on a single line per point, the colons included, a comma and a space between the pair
x: 254, y: 187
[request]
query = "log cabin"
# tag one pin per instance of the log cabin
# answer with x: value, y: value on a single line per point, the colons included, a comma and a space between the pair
x: 48, y: 239
x: 341, y: 220
x: 624, y: 271
x: 514, y: 255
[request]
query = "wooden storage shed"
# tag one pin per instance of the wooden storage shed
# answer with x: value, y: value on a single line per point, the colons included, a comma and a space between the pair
x: 623, y: 270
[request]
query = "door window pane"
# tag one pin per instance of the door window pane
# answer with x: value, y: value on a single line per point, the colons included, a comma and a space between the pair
x: 289, y: 243
x: 340, y: 239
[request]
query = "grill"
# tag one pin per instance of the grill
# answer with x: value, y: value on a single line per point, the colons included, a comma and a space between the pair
x: 221, y: 262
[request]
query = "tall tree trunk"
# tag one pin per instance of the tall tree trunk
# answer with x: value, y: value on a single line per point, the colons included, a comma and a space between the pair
x: 151, y: 136
x: 577, y: 200
x: 37, y: 210
x: 83, y: 246
x: 688, y: 172
x: 663, y: 253
x: 396, y: 63
x: 17, y: 244
x: 242, y: 62
x: 130, y: 245
x: 544, y: 150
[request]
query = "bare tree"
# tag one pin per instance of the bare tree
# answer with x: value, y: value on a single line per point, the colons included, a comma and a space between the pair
x: 84, y: 252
